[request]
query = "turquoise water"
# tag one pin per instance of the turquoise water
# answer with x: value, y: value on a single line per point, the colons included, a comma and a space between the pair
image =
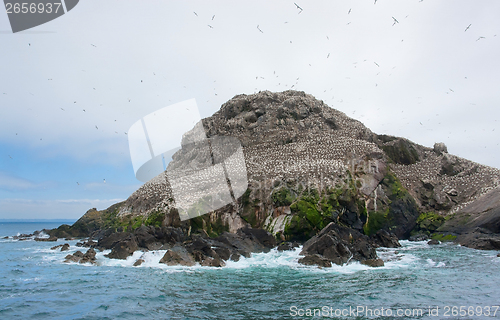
x: 36, y: 284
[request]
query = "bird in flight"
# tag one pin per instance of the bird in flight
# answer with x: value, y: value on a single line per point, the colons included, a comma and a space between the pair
x: 77, y: 183
x: 468, y: 27
x: 195, y: 13
x: 480, y: 38
x: 298, y: 7
x: 376, y: 64
x: 62, y: 109
x: 395, y: 21
x: 96, y: 127
x: 328, y: 56
x: 349, y: 11
x: 83, y: 110
x: 93, y: 45
x: 210, y: 26
x: 259, y: 29
x: 213, y: 16
x: 10, y: 157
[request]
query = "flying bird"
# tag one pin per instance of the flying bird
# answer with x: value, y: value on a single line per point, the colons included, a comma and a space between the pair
x: 349, y: 11
x: 10, y: 157
x: 62, y: 109
x: 259, y: 29
x: 298, y: 7
x: 328, y: 56
x: 96, y: 127
x: 468, y: 27
x: 376, y: 64
x: 210, y: 26
x: 395, y: 21
x: 77, y: 183
x: 195, y: 13
x: 479, y: 38
x: 104, y: 180
x: 213, y: 16
x: 83, y: 110
x: 93, y: 45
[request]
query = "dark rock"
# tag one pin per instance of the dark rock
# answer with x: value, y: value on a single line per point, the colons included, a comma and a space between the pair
x: 138, y: 262
x: 480, y: 238
x: 339, y: 245
x: 259, y: 235
x: 315, y: 260
x: 51, y: 238
x: 6, y: 237
x: 71, y: 258
x: 89, y: 256
x: 235, y: 257
x: 178, y: 255
x: 122, y: 244
x: 87, y: 244
x: 65, y: 247
x: 56, y: 247
x: 373, y: 262
x: 385, y: 239
x: 498, y: 255
x: 287, y: 246
x: 212, y: 262
x: 78, y: 254
x: 419, y: 237
x: 433, y: 242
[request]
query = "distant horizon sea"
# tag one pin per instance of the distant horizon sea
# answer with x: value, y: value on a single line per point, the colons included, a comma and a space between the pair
x: 418, y: 281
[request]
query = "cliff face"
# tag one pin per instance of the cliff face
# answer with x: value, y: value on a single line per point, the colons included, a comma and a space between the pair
x: 308, y: 165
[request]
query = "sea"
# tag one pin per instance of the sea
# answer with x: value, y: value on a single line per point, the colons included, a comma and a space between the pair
x: 418, y: 281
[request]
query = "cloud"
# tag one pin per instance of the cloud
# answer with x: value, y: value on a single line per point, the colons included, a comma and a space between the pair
x: 51, y: 209
x: 9, y: 182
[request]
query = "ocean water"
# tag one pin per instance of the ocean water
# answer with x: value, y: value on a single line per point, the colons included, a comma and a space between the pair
x: 417, y: 282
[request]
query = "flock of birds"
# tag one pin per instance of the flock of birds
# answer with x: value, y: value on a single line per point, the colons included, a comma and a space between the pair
x: 300, y: 9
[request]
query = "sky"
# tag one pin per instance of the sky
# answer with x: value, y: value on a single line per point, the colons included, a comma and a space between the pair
x: 71, y: 88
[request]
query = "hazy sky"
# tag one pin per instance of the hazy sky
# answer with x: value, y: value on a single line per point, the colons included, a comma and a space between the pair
x: 71, y: 88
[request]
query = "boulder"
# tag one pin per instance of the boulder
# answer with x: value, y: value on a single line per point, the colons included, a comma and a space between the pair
x: 480, y: 238
x: 212, y: 262
x: 373, y: 262
x: 287, y: 246
x: 178, y: 255
x: 71, y: 258
x: 419, y: 237
x: 385, y: 239
x: 51, y: 238
x: 122, y: 245
x: 433, y: 242
x: 338, y: 245
x: 65, y: 247
x: 315, y: 260
x: 138, y: 262
x: 56, y: 247
x: 89, y: 256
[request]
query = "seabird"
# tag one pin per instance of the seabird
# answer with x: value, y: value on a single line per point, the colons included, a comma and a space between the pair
x: 259, y: 29
x: 96, y: 127
x: 195, y: 13
x: 210, y: 26
x: 376, y: 64
x: 395, y: 21
x: 468, y: 27
x: 349, y: 11
x: 479, y: 38
x: 213, y: 16
x: 298, y: 7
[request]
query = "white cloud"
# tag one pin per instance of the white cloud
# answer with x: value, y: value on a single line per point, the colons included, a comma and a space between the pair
x: 51, y: 209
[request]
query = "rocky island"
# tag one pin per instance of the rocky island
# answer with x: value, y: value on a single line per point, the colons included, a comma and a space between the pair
x: 316, y: 178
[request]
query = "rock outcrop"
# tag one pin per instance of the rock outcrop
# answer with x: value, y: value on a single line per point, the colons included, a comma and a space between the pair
x: 308, y: 166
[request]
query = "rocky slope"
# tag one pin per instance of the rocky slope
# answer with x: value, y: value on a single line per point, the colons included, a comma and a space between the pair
x: 309, y: 165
